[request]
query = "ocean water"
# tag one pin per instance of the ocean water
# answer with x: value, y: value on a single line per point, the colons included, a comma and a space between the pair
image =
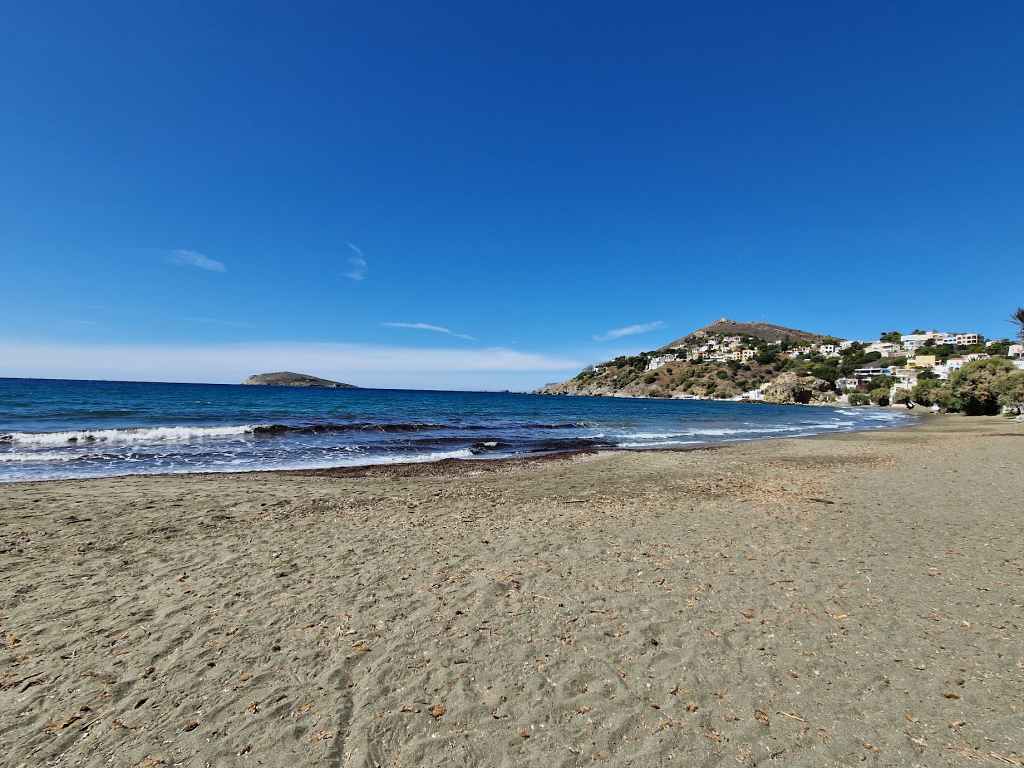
x: 53, y: 429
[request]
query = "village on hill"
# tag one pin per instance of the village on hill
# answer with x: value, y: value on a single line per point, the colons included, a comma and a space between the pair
x: 759, y: 362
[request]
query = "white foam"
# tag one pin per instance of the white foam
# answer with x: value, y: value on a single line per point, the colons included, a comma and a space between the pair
x: 41, y: 456
x: 138, y: 435
x: 656, y: 443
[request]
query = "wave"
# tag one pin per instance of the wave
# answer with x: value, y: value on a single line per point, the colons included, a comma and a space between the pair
x: 189, y: 433
x: 134, y: 435
x: 40, y: 456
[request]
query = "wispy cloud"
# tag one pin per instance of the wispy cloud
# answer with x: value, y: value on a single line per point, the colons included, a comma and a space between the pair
x: 357, y: 266
x: 629, y: 330
x: 195, y: 259
x: 429, y: 327
x: 362, y: 364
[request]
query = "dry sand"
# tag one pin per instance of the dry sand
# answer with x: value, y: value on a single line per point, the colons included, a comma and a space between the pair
x: 844, y: 600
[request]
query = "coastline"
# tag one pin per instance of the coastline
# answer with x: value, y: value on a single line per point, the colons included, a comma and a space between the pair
x: 460, y: 466
x: 849, y: 598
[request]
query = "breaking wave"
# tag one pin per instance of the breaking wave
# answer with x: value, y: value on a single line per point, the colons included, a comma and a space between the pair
x: 185, y: 434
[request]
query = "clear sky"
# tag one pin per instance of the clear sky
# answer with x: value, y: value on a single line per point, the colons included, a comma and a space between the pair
x: 482, y: 194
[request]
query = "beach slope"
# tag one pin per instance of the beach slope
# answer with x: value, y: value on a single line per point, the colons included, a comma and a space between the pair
x: 852, y: 599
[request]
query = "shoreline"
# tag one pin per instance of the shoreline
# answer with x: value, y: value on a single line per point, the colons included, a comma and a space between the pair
x: 455, y: 466
x: 852, y: 599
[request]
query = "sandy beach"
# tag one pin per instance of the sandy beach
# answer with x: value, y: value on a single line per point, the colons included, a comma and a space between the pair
x: 853, y: 599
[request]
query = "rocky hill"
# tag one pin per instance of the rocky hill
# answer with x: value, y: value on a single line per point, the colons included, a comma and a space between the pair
x: 289, y: 379
x: 724, y: 360
x: 762, y: 331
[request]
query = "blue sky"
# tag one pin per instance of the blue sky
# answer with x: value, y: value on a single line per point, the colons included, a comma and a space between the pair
x: 480, y: 196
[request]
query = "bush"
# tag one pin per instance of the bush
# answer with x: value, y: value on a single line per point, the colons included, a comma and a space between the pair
x: 882, y: 382
x: 1011, y: 391
x: 858, y: 398
x: 879, y: 396
x: 901, y: 396
x: 978, y: 384
x: 928, y: 391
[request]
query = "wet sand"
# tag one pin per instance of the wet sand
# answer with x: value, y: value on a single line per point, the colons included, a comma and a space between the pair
x: 851, y: 599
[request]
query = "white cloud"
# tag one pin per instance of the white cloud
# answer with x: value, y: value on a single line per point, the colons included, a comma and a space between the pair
x: 366, y: 365
x: 429, y: 327
x: 357, y: 264
x: 198, y: 260
x: 629, y: 330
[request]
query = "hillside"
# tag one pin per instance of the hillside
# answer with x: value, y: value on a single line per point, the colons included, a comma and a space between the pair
x: 289, y: 379
x: 726, y: 359
x: 762, y: 331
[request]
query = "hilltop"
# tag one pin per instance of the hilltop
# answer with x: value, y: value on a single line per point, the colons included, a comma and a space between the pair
x: 761, y: 331
x: 725, y: 359
x: 289, y: 379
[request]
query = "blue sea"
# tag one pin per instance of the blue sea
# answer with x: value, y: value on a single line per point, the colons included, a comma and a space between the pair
x: 53, y: 429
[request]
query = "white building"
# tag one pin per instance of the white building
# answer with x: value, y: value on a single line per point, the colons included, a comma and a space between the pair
x: 1015, y: 350
x: 660, y: 360
x: 906, y: 378
x: 827, y: 349
x: 966, y: 339
x: 955, y: 364
x: 884, y: 348
x: 866, y: 374
x: 913, y: 341
x: 847, y: 385
x: 747, y: 354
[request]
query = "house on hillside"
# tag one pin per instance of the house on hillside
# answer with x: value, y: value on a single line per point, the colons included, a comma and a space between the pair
x: 912, y: 342
x: 922, y: 361
x: 868, y: 373
x: 906, y: 378
x: 884, y: 348
x: 660, y: 360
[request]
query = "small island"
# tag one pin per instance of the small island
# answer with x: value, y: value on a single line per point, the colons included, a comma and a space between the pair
x: 289, y: 379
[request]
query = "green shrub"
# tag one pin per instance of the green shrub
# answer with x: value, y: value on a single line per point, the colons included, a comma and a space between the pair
x: 1011, y: 391
x: 879, y: 396
x: 858, y: 398
x: 977, y: 385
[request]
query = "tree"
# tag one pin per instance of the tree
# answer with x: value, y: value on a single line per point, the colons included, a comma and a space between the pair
x: 1017, y: 318
x: 858, y: 398
x: 879, y: 396
x: 882, y: 382
x: 1011, y: 391
x: 901, y: 396
x: 925, y: 391
x: 893, y: 337
x: 977, y: 385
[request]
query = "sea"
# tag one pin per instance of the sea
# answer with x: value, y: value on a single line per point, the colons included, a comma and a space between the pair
x: 60, y: 429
